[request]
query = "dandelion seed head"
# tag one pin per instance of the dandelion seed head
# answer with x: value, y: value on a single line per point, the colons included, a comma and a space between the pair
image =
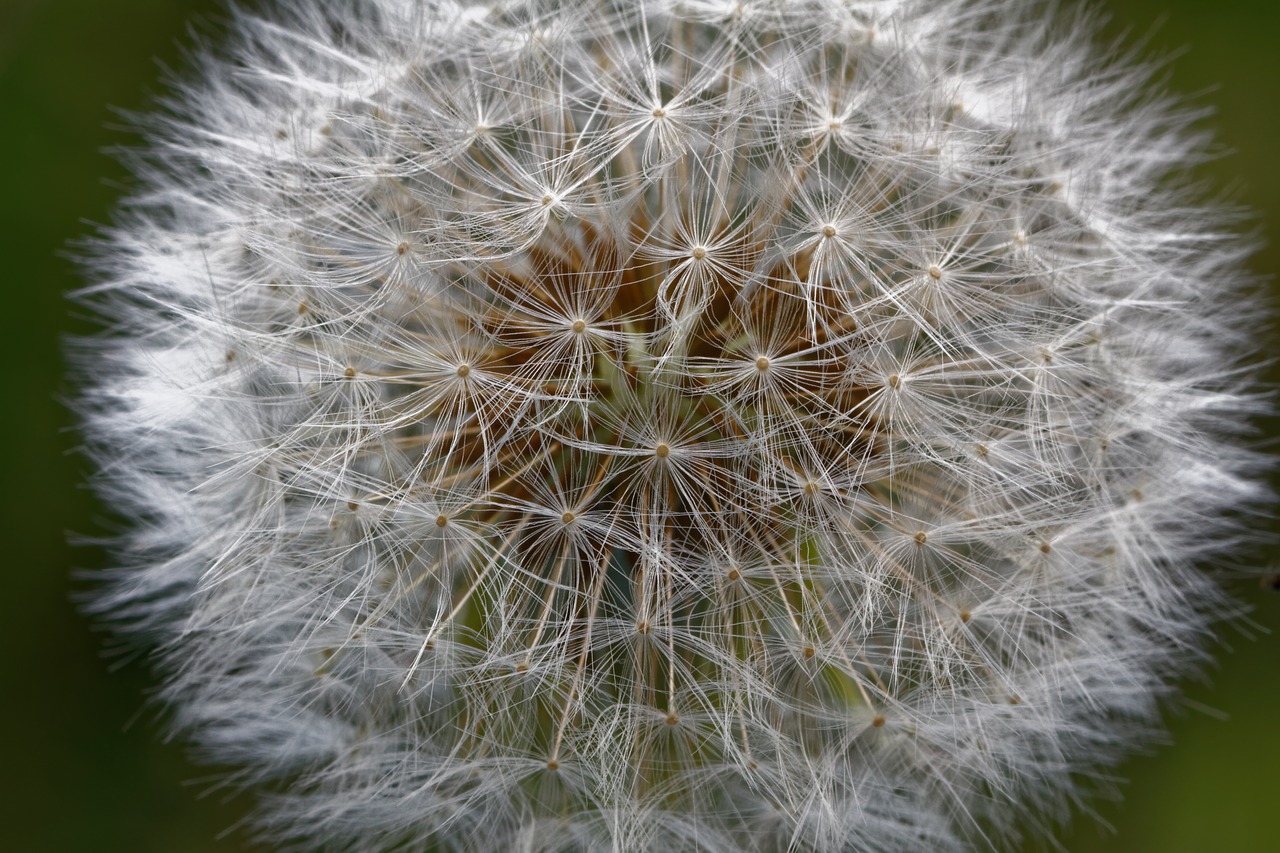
x: 681, y: 424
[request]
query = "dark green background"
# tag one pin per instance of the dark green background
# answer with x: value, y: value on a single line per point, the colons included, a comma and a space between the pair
x: 82, y: 763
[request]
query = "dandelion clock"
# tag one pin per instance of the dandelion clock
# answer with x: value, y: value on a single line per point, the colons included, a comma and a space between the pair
x: 667, y: 425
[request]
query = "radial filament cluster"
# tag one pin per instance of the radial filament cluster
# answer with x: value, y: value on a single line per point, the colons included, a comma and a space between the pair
x: 666, y: 425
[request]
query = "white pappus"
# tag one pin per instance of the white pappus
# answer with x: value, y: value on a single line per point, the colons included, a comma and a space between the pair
x: 558, y: 425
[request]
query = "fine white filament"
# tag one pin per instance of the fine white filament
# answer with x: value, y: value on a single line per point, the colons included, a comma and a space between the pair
x: 664, y: 425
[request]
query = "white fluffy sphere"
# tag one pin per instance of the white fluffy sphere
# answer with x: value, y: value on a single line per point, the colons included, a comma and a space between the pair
x: 667, y: 425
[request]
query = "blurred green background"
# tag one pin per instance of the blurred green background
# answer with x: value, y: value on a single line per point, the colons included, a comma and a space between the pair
x: 84, y: 767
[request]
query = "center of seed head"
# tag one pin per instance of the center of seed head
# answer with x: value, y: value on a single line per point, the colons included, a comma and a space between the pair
x: 569, y: 422
x: 935, y: 271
